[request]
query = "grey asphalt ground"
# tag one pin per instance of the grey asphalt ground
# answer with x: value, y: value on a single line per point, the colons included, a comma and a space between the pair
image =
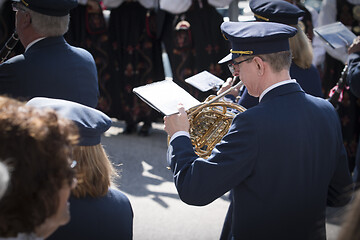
x: 158, y: 212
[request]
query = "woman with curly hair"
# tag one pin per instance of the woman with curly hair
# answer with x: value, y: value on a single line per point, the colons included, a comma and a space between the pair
x: 36, y: 145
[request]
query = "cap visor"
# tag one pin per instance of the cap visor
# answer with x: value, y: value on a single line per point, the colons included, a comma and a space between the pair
x: 226, y: 59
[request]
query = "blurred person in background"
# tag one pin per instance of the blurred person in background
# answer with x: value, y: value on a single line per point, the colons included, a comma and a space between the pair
x: 37, y: 146
x: 332, y: 64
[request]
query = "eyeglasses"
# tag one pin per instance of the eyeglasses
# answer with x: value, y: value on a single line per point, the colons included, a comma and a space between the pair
x: 16, y: 7
x: 234, y: 63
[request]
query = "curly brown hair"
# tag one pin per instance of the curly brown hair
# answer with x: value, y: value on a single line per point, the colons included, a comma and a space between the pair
x: 37, y: 147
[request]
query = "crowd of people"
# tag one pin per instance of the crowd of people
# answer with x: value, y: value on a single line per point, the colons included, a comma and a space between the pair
x: 285, y: 159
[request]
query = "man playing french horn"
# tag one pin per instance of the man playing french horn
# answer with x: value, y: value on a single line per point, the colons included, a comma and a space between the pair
x: 283, y: 159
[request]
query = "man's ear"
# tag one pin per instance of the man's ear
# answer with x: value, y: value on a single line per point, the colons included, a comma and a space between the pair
x: 259, y: 65
x: 24, y: 21
x: 27, y: 19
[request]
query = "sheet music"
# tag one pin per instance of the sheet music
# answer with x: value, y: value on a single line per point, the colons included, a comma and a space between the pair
x: 164, y: 96
x: 336, y: 35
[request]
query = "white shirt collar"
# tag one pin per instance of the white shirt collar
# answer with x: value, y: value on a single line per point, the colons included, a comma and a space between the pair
x: 274, y: 86
x: 33, y: 42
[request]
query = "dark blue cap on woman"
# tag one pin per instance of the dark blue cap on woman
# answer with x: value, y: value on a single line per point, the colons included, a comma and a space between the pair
x: 276, y: 11
x: 90, y: 122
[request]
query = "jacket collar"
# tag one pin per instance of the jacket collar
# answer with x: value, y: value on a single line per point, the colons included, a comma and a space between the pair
x: 281, y: 91
x: 46, y: 42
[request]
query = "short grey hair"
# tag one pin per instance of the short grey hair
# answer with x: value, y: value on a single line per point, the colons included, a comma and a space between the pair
x: 278, y: 61
x: 49, y: 26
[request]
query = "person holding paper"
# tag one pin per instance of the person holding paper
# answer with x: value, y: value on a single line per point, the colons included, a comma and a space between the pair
x: 346, y: 12
x: 342, y: 11
x: 302, y: 69
x: 353, y: 81
x: 284, y: 158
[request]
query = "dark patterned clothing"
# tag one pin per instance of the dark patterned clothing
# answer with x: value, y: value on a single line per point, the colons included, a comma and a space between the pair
x: 7, y: 27
x: 136, y: 60
x: 87, y: 30
x: 195, y: 47
x: 353, y: 80
x: 349, y: 108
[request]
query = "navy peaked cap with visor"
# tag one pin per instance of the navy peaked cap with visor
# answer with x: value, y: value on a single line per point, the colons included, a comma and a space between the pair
x: 254, y: 38
x: 56, y: 8
x: 90, y: 122
x: 276, y: 11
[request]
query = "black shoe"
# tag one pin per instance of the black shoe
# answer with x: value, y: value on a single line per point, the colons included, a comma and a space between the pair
x: 145, y: 130
x: 129, y: 129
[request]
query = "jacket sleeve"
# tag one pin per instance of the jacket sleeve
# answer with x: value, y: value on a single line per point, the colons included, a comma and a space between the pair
x: 200, y: 181
x: 9, y: 84
x: 341, y: 186
x: 353, y: 77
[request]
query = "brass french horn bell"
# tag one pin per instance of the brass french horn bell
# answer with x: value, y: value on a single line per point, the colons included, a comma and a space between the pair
x: 210, y: 121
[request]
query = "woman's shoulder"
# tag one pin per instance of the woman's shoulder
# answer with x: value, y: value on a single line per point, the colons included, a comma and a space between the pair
x: 116, y: 194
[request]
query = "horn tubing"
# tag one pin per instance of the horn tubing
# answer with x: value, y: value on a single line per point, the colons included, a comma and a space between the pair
x: 239, y: 84
x: 9, y: 46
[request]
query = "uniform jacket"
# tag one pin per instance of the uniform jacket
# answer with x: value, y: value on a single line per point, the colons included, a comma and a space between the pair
x: 283, y: 158
x: 109, y: 217
x: 309, y: 80
x: 353, y: 77
x: 51, y: 68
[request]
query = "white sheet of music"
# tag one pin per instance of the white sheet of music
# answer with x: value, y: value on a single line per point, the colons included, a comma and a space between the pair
x: 164, y: 96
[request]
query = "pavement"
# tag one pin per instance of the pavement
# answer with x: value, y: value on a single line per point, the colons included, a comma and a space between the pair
x: 158, y: 212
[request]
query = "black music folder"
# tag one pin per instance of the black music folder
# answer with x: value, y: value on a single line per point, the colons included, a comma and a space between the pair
x: 336, y: 35
x: 205, y: 81
x: 164, y: 96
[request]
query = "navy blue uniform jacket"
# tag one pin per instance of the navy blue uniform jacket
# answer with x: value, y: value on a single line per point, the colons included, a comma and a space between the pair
x: 109, y: 217
x: 283, y: 158
x: 309, y: 80
x: 51, y: 68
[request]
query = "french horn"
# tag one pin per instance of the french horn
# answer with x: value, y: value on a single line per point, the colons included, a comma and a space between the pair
x: 210, y: 121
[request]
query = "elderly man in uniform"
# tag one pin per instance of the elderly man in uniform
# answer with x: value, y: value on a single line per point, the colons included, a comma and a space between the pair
x: 284, y: 158
x: 49, y: 67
